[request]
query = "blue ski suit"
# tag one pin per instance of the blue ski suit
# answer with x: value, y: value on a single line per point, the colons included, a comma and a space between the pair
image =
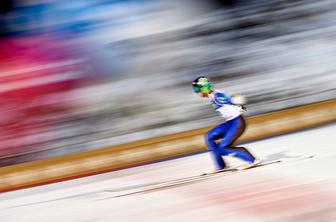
x: 227, y: 132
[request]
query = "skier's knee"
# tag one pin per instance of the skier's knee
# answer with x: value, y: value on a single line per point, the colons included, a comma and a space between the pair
x: 209, y: 139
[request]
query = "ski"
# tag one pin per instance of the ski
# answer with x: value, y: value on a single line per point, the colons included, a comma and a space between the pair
x: 147, y: 187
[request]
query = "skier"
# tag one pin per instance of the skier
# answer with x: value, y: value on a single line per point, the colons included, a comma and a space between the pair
x: 227, y: 132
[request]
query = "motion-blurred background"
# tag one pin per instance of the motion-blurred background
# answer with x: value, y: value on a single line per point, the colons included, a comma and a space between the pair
x: 82, y: 74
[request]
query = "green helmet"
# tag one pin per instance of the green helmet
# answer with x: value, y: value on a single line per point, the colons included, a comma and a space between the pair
x: 202, y: 84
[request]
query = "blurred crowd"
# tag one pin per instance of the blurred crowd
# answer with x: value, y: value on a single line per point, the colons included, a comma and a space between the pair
x: 81, y: 74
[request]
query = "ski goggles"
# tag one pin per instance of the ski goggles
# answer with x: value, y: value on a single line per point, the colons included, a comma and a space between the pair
x: 203, y: 89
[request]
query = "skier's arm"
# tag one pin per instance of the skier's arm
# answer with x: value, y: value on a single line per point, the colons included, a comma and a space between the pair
x: 221, y: 99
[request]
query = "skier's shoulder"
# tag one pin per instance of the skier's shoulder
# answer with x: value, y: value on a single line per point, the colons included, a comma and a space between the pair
x: 221, y: 97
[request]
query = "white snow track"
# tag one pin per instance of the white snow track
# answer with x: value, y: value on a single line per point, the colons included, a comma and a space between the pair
x: 296, y: 189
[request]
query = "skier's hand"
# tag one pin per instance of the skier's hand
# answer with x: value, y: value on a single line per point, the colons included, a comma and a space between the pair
x: 242, y: 108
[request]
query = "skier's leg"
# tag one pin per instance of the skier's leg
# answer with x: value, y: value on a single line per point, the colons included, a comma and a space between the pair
x: 210, y: 138
x: 237, y: 127
x: 238, y: 134
x: 241, y: 149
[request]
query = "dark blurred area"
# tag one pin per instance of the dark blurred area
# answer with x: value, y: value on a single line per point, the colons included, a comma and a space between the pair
x: 82, y: 74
